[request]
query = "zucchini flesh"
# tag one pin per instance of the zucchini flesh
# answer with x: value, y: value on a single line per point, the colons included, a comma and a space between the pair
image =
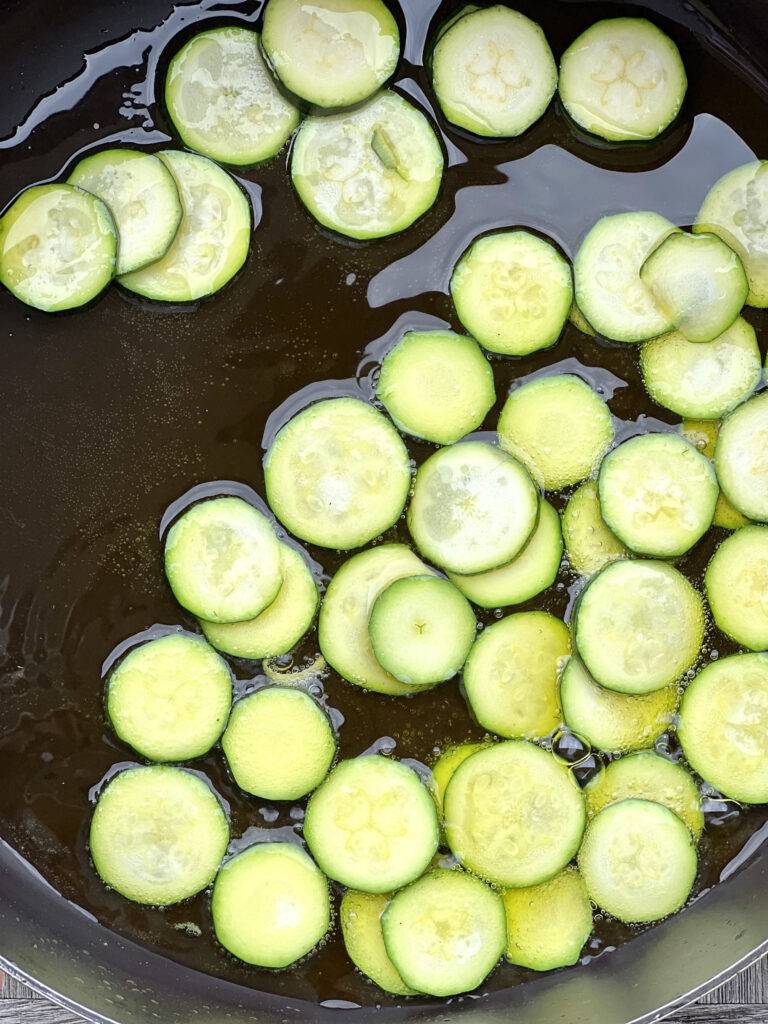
x: 158, y: 834
x: 473, y: 508
x: 331, y: 53
x: 741, y: 458
x: 493, y: 71
x: 270, y: 906
x: 421, y: 630
x: 639, y: 626
x: 698, y: 281
x: 514, y: 815
x: 370, y: 172
x: 436, y: 385
x: 648, y: 776
x: 736, y: 583
x: 702, y: 381
x: 212, y: 242
x: 558, y: 427
x: 445, y: 766
x: 58, y: 247
x: 445, y: 933
x: 658, y: 494
x: 372, y: 825
x: 223, y: 101
x: 511, y: 675
x: 222, y: 560
x: 279, y: 743
x: 610, y: 721
x: 548, y: 924
x: 360, y: 917
x: 736, y: 209
x: 513, y: 292
x: 638, y: 860
x: 169, y: 698
x: 281, y: 625
x: 724, y: 726
x: 344, y: 614
x: 337, y: 474
x: 623, y: 79
x: 703, y: 434
x: 528, y: 574
x: 589, y: 543
x: 141, y: 194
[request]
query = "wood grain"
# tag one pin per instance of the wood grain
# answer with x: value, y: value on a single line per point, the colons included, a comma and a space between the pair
x: 742, y: 1000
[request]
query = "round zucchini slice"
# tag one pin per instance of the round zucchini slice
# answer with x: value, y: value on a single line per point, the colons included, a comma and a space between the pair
x: 639, y: 626
x: 724, y: 726
x: 337, y: 474
x: 514, y: 815
x: 741, y: 458
x: 548, y: 924
x: 589, y: 543
x: 360, y: 916
x: 58, y: 247
x: 736, y: 583
x: 158, y: 834
x: 370, y: 172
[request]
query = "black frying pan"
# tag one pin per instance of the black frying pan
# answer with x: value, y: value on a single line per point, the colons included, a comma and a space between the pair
x: 108, y: 414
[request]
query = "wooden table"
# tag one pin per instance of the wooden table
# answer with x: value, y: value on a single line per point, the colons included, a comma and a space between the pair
x: 744, y: 1000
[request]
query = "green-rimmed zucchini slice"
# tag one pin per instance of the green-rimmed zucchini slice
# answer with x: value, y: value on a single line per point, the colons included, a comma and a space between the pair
x: 142, y: 197
x: 548, y: 924
x: 589, y: 543
x: 741, y: 458
x: 370, y: 172
x: 736, y: 583
x: 223, y: 101
x: 639, y: 626
x: 623, y: 79
x: 58, y: 247
x: 331, y: 53
x: 360, y: 917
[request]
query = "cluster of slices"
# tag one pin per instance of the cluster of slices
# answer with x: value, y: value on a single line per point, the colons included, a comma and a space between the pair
x: 175, y: 227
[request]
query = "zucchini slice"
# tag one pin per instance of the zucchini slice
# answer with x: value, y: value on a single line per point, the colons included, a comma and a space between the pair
x: 548, y: 924
x: 141, y: 194
x: 158, y: 834
x: 212, y: 242
x: 724, y: 726
x: 58, y: 247
x: 222, y: 560
x: 337, y: 474
x: 372, y: 825
x: 421, y: 630
x: 558, y: 427
x: 493, y: 71
x: 638, y: 626
x: 270, y: 906
x: 736, y: 583
x: 279, y: 743
x: 331, y: 53
x: 741, y: 458
x: 445, y: 933
x: 445, y: 766
x: 436, y: 385
x: 170, y: 697
x: 658, y: 494
x: 371, y: 172
x: 513, y: 292
x: 473, y: 508
x: 638, y: 860
x: 223, y: 101
x: 623, y: 79
x: 511, y: 675
x: 514, y: 815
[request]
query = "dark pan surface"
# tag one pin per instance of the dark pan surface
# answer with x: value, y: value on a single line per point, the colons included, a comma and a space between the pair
x: 110, y: 414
